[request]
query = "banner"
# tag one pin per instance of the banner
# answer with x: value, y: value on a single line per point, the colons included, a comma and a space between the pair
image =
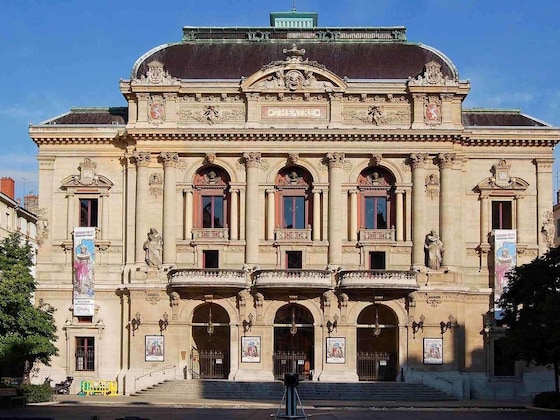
x: 84, y: 278
x: 505, y: 258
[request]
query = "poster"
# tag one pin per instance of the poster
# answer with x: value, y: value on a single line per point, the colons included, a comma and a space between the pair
x: 336, y: 350
x: 154, y: 348
x: 250, y: 349
x: 433, y: 351
x: 83, y: 285
x: 505, y: 258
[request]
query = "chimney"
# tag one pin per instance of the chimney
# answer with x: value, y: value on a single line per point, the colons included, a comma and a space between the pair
x: 8, y: 186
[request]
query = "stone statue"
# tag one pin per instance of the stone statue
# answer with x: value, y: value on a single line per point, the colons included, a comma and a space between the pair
x: 152, y: 247
x: 434, y: 250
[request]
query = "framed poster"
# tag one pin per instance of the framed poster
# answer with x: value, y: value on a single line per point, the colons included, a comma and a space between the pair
x: 250, y: 349
x: 336, y: 350
x: 154, y: 348
x: 433, y: 351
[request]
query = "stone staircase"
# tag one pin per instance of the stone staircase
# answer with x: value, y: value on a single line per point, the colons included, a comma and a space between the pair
x: 185, y: 390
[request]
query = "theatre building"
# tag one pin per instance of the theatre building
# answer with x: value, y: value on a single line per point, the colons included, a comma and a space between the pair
x: 291, y: 199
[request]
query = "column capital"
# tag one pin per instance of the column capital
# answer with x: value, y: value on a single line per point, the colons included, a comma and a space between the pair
x: 353, y: 191
x: 335, y: 159
x: 270, y: 190
x: 446, y: 160
x: 141, y: 158
x: 418, y: 160
x: 169, y: 159
x: 252, y: 159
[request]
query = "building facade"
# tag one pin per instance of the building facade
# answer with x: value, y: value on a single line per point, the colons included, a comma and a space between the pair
x: 291, y: 199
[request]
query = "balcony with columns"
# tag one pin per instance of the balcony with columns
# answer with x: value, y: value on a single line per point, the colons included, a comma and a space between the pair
x: 180, y: 279
x: 378, y: 279
x: 290, y: 279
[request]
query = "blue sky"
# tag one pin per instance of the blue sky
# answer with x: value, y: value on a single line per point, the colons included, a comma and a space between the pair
x: 60, y: 54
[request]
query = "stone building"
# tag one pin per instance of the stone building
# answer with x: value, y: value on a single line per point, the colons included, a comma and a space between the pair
x: 290, y: 198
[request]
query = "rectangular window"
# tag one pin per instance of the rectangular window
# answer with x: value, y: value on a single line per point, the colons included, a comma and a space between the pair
x: 88, y: 212
x: 294, y: 260
x: 377, y: 260
x: 502, y: 215
x: 212, y: 211
x: 85, y: 353
x: 210, y: 258
x: 376, y: 213
x: 294, y: 212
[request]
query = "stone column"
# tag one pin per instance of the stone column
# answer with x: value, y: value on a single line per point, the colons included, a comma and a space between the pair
x: 234, y: 215
x: 520, y: 218
x: 418, y: 162
x: 447, y: 205
x: 130, y: 209
x: 484, y: 222
x: 353, y: 228
x: 72, y: 211
x: 316, y: 215
x: 104, y: 198
x: 399, y: 223
x: 142, y: 198
x: 544, y: 197
x: 336, y: 163
x: 270, y: 213
x: 170, y: 161
x: 252, y: 226
x: 241, y: 214
x: 188, y: 222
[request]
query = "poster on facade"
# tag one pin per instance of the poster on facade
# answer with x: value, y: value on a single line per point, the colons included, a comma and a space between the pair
x: 336, y: 350
x: 250, y: 349
x: 84, y: 277
x: 154, y: 348
x: 505, y: 258
x: 433, y: 351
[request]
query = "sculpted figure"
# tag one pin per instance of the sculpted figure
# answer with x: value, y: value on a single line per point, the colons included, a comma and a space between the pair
x: 434, y: 250
x: 152, y: 247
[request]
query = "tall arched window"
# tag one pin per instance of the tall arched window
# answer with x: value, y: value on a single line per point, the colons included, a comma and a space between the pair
x: 376, y: 208
x: 293, y: 185
x: 211, y: 197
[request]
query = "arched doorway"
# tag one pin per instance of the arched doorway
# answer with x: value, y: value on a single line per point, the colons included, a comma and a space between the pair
x: 378, y: 344
x: 210, y: 354
x: 293, y: 342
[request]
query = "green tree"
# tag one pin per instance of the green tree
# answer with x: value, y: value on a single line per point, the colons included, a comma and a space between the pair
x: 531, y: 305
x: 27, y: 332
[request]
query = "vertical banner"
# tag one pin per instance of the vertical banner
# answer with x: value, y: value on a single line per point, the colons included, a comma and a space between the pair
x: 84, y: 278
x: 505, y: 258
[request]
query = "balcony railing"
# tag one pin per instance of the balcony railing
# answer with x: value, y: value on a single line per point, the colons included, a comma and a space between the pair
x: 293, y: 278
x: 377, y: 235
x: 210, y: 234
x: 372, y: 279
x: 207, y: 277
x: 293, y: 235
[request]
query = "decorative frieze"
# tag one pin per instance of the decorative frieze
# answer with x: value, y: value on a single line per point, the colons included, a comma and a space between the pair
x: 210, y: 114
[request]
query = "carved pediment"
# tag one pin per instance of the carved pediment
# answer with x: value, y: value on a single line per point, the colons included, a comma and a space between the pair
x: 88, y: 177
x: 513, y: 183
x: 294, y: 74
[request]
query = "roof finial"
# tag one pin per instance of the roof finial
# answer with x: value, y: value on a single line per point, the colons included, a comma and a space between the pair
x: 293, y: 5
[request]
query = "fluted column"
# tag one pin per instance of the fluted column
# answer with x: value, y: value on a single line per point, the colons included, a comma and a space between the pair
x: 544, y: 198
x: 399, y: 223
x: 316, y: 215
x: 353, y: 228
x: 270, y: 216
x: 252, y: 225
x: 447, y: 206
x: 188, y: 222
x: 336, y: 162
x: 484, y: 221
x: 142, y: 160
x: 234, y: 216
x: 170, y: 161
x: 418, y: 162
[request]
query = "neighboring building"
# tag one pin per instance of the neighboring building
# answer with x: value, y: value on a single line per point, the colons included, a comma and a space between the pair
x: 556, y: 217
x: 287, y: 198
x: 13, y: 216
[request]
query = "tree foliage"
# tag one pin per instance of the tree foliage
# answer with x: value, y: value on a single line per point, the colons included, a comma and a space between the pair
x: 531, y: 305
x: 27, y: 332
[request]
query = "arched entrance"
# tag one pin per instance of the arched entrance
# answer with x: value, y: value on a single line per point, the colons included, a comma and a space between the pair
x: 378, y: 344
x: 293, y: 342
x: 210, y: 354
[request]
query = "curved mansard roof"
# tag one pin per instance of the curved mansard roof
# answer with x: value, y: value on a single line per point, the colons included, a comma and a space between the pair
x: 234, y: 53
